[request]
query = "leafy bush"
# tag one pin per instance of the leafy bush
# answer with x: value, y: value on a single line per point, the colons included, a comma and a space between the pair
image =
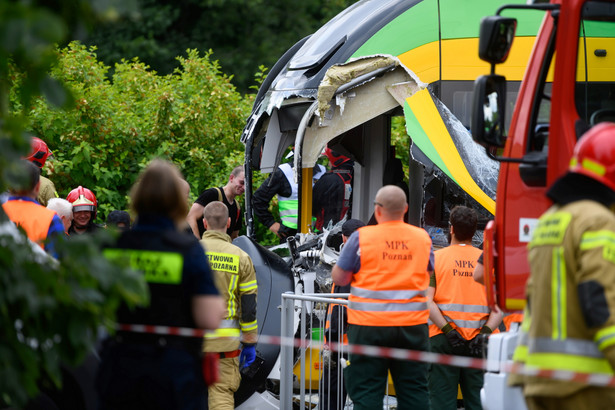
x: 192, y: 117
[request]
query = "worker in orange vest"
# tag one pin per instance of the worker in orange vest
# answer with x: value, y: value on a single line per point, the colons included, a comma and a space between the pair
x: 459, y: 315
x: 510, y: 318
x: 331, y: 397
x: 41, y: 225
x: 388, y: 267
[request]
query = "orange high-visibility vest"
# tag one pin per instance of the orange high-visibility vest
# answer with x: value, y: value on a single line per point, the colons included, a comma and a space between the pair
x: 340, y: 322
x: 390, y: 287
x: 35, y: 219
x: 511, y: 318
x: 461, y: 299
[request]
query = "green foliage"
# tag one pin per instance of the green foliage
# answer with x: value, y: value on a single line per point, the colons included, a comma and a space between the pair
x: 192, y: 117
x: 399, y: 139
x: 243, y: 33
x: 50, y: 312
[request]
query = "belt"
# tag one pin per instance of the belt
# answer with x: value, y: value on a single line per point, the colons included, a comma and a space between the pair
x: 229, y: 355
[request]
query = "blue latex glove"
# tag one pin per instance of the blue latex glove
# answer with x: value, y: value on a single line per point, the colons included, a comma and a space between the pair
x: 248, y: 355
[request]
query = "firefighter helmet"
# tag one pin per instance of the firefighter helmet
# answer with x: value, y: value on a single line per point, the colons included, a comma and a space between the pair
x: 39, y: 152
x: 83, y: 199
x: 335, y: 158
x: 594, y: 154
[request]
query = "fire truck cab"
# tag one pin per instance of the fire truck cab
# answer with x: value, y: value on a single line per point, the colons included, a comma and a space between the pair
x: 568, y: 87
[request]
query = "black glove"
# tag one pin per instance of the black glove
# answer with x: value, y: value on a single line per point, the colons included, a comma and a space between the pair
x: 457, y: 342
x: 477, y: 345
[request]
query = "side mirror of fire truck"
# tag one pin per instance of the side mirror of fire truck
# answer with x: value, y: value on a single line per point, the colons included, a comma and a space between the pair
x: 488, y: 110
x: 496, y: 38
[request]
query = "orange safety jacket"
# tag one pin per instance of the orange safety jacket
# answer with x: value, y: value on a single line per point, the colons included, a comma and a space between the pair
x: 341, y: 311
x: 32, y: 217
x: 462, y: 300
x: 391, y: 285
x: 510, y: 318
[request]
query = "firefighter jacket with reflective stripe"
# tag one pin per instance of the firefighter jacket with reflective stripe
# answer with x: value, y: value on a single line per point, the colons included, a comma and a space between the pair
x: 288, y: 206
x: 390, y: 287
x: 32, y: 217
x: 462, y: 300
x: 569, y: 323
x: 235, y: 278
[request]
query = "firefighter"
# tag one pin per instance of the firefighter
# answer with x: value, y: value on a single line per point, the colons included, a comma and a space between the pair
x: 84, y: 211
x: 38, y: 156
x: 387, y: 266
x: 459, y: 315
x: 281, y: 183
x: 162, y: 369
x: 569, y: 322
x: 235, y: 277
x: 332, y: 192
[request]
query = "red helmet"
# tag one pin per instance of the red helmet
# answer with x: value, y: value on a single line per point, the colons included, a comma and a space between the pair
x: 594, y: 154
x: 335, y: 159
x: 83, y: 200
x: 39, y: 152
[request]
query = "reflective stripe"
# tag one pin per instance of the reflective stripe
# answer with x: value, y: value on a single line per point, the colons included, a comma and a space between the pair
x: 558, y: 294
x: 232, y: 300
x: 385, y: 294
x: 158, y: 267
x: 458, y: 307
x: 595, y: 239
x: 229, y: 324
x: 605, y: 337
x: 468, y: 324
x: 559, y: 361
x: 232, y: 333
x: 245, y: 327
x: 246, y: 286
x: 387, y: 307
x: 593, y: 167
x: 288, y: 206
x: 576, y: 347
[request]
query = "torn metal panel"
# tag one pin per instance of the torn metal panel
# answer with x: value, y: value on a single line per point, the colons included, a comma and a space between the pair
x: 376, y: 93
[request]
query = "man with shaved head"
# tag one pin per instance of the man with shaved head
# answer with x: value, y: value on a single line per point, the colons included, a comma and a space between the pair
x: 235, y: 278
x: 388, y: 267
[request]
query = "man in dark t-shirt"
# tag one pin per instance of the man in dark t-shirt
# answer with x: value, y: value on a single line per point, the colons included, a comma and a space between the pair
x: 226, y: 194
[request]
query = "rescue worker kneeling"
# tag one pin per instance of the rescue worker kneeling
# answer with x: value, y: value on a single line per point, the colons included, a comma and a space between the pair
x: 235, y: 278
x: 459, y: 317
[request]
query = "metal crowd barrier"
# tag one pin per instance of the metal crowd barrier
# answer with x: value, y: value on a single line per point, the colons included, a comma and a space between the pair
x: 302, y: 364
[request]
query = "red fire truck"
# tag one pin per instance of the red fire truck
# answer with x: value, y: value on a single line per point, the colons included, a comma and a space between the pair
x: 568, y: 87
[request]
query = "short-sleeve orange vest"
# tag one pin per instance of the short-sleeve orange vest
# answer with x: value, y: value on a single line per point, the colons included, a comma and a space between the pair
x: 461, y: 299
x: 390, y: 287
x: 35, y: 219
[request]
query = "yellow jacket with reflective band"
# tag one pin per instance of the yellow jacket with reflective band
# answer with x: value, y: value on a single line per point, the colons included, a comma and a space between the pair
x: 234, y: 276
x: 391, y: 286
x: 462, y: 300
x: 572, y: 244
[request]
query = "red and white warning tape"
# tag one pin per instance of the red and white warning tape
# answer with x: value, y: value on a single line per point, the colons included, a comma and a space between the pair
x: 162, y: 330
x: 595, y: 379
